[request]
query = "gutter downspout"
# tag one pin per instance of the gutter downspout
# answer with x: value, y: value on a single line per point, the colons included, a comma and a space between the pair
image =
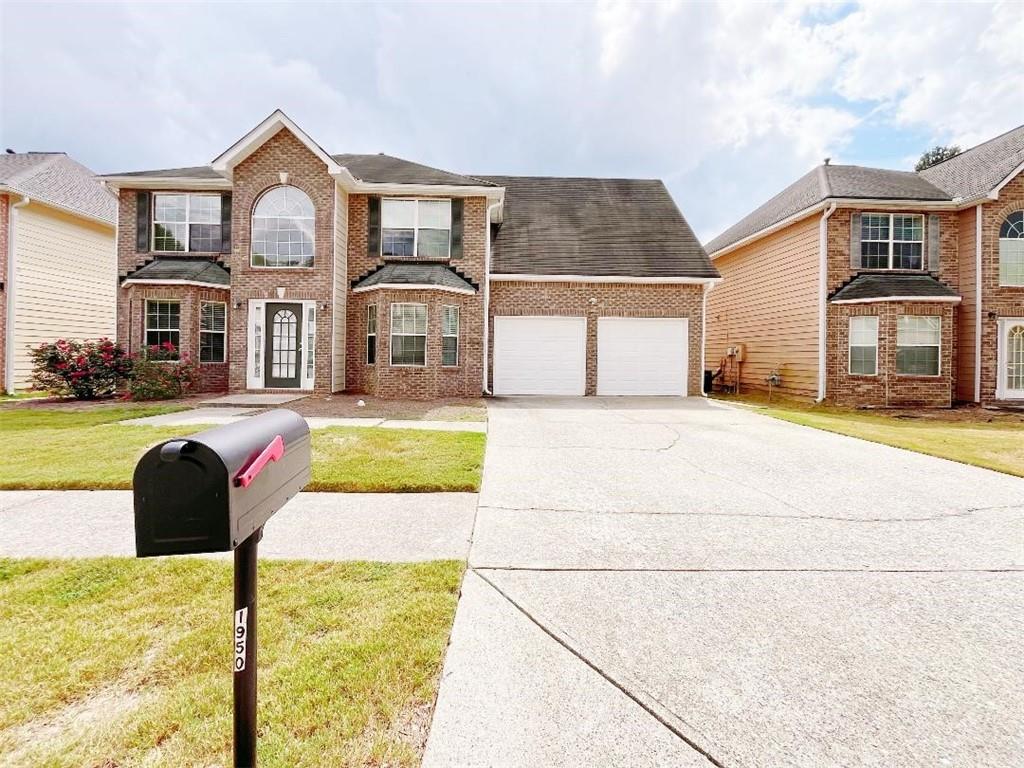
x: 822, y: 297
x: 487, y: 296
x: 9, y: 289
x: 977, y: 302
x: 708, y: 288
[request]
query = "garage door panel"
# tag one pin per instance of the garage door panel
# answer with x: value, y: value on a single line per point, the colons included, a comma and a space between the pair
x: 540, y: 355
x: 642, y: 356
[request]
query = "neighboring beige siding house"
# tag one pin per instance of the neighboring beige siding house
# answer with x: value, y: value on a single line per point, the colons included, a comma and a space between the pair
x: 874, y: 287
x: 57, y: 258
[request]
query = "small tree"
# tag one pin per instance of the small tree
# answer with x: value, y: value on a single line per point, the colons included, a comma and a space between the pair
x: 936, y: 155
x: 84, y: 370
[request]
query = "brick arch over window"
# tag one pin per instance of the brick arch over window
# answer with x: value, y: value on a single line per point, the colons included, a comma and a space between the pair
x: 283, y: 228
x: 1011, y: 249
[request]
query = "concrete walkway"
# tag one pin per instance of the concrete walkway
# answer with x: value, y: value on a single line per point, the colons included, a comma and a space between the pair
x: 221, y: 415
x: 389, y: 527
x: 677, y: 582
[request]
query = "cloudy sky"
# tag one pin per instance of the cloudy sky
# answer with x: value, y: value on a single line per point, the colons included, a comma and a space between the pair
x: 725, y: 102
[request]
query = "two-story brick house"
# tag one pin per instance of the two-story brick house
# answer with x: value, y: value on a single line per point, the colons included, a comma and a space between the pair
x: 873, y: 287
x: 281, y: 267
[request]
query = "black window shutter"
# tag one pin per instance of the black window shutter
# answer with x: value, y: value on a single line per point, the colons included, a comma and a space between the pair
x: 142, y: 213
x: 457, y: 228
x: 373, y: 226
x: 225, y: 223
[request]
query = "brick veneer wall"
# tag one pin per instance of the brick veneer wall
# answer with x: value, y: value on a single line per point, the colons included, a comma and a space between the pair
x: 1001, y: 301
x: 887, y: 388
x: 593, y: 300
x: 282, y: 153
x: 5, y: 213
x: 131, y: 324
x: 431, y: 380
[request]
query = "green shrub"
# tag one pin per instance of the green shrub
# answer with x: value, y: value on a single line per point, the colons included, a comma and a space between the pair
x: 84, y: 370
x: 163, y: 378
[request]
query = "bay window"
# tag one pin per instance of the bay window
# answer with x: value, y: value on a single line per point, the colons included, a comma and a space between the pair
x: 864, y: 345
x: 449, y: 335
x: 420, y: 228
x: 183, y: 222
x: 212, y: 331
x: 918, y: 341
x: 163, y: 323
x: 891, y: 241
x: 409, y: 334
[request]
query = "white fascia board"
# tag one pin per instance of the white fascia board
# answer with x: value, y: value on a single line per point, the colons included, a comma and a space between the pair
x: 173, y: 183
x: 994, y: 194
x: 56, y: 206
x: 881, y: 299
x: 254, y: 139
x: 412, y: 287
x: 525, y: 278
x: 197, y: 283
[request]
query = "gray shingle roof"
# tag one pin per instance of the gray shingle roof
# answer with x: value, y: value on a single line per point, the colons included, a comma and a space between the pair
x: 823, y: 182
x: 415, y: 273
x: 882, y: 286
x: 979, y: 170
x: 193, y: 270
x: 596, y: 227
x: 386, y: 169
x: 192, y: 172
x: 54, y: 178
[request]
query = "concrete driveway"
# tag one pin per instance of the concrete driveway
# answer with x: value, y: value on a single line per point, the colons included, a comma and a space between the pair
x: 680, y: 582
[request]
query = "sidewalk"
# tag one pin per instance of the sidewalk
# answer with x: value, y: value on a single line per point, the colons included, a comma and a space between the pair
x: 388, y: 527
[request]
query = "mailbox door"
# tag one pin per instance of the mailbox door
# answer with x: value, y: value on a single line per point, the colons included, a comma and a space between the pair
x: 284, y: 325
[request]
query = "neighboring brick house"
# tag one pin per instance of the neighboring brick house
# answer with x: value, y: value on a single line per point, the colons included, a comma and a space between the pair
x: 57, y: 258
x: 873, y: 287
x: 279, y: 266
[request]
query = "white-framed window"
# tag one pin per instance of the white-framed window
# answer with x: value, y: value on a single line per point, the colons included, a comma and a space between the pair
x: 409, y: 334
x: 918, y: 345
x: 213, y: 331
x: 891, y: 241
x: 864, y: 345
x: 310, y: 342
x: 371, y: 334
x: 283, y: 228
x: 420, y: 228
x: 163, y: 323
x: 1011, y: 250
x: 449, y: 335
x: 186, y: 222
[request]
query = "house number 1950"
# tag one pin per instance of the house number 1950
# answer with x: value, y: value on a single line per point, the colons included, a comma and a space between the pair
x: 241, y: 631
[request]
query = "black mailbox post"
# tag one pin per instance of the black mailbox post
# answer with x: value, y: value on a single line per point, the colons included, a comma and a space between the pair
x: 212, y: 492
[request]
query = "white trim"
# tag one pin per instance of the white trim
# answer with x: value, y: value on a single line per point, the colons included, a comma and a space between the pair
x: 413, y: 287
x: 257, y: 315
x: 823, y: 299
x: 168, y: 183
x: 367, y: 335
x: 334, y: 278
x: 145, y: 321
x: 257, y: 311
x: 850, y: 345
x: 309, y: 314
x: 978, y: 215
x: 526, y: 278
x: 994, y: 193
x: 921, y: 299
x: 391, y: 333
x: 1003, y: 326
x: 225, y: 163
x: 12, y: 218
x: 252, y: 217
x: 155, y: 281
x: 5, y: 189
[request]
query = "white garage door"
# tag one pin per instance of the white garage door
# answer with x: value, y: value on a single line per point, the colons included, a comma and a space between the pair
x: 642, y: 356
x: 540, y: 355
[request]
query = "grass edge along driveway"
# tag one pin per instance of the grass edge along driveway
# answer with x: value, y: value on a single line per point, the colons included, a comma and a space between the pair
x: 115, y: 661
x: 997, y: 444
x: 51, y: 449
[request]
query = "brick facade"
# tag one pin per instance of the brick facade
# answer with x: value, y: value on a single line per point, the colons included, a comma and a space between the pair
x: 605, y: 300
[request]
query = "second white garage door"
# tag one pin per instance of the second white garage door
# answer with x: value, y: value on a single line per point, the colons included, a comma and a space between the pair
x: 642, y: 356
x: 540, y: 355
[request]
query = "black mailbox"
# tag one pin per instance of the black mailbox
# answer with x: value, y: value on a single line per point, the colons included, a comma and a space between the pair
x: 211, y: 491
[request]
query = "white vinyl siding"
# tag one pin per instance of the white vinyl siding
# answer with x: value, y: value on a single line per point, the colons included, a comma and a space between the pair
x: 540, y: 355
x: 642, y: 356
x: 64, y: 286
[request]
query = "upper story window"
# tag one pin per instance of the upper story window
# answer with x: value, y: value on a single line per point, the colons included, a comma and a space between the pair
x: 282, y: 229
x: 891, y: 241
x: 186, y: 222
x: 1011, y: 250
x: 420, y: 228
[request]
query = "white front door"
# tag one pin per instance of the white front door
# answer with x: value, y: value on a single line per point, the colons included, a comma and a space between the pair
x: 1011, y: 359
x: 540, y: 355
x: 642, y: 356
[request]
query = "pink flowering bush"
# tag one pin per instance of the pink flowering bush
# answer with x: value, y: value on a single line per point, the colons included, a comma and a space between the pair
x: 161, y: 373
x: 84, y: 370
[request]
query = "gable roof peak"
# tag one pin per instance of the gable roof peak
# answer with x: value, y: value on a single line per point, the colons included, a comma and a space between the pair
x: 277, y: 120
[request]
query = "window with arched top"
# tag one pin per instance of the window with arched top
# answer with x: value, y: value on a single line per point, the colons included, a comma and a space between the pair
x: 1011, y: 250
x: 282, y: 229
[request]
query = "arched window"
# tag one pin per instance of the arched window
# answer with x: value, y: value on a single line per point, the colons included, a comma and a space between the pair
x: 1011, y: 250
x: 282, y: 229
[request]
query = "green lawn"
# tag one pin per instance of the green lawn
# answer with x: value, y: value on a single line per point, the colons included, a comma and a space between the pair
x: 85, y: 449
x: 116, y: 662
x: 997, y: 444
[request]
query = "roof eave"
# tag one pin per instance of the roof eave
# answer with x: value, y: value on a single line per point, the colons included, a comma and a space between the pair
x: 35, y: 198
x: 158, y: 281
x: 878, y: 299
x: 548, y: 278
x: 413, y: 287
